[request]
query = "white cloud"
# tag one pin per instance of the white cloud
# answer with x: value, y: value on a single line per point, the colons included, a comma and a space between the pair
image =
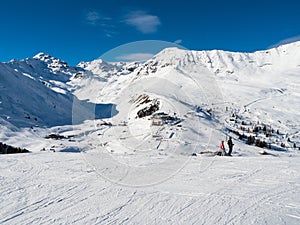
x: 95, y: 18
x: 143, y: 22
x: 92, y: 17
x: 135, y: 57
x: 179, y: 41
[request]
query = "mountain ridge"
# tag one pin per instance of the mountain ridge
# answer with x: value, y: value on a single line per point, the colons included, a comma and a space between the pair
x: 183, y: 81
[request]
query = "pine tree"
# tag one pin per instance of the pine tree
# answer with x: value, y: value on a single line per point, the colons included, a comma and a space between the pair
x: 255, y: 129
x: 265, y: 128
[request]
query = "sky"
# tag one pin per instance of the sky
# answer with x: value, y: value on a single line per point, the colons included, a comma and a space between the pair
x: 84, y: 30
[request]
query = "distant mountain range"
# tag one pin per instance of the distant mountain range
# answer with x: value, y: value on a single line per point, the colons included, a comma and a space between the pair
x: 214, y: 93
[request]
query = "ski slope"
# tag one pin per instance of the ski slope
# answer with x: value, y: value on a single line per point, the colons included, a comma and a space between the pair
x: 62, y: 188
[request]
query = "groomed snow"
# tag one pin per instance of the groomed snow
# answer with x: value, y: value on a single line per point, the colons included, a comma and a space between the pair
x: 62, y: 188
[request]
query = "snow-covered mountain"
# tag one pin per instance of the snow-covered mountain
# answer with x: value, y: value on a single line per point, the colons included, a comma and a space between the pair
x: 228, y: 93
x: 234, y: 63
x: 137, y: 124
x: 260, y: 87
x: 36, y: 91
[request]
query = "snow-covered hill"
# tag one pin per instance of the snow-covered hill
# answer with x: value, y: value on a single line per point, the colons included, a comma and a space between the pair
x: 36, y: 92
x: 252, y: 97
x: 137, y: 125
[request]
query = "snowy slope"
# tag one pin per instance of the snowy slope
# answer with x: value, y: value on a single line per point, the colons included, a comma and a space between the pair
x: 259, y: 88
x: 61, y: 188
x: 213, y: 94
x: 220, y: 62
x: 35, y: 92
x: 112, y: 166
x: 37, y: 95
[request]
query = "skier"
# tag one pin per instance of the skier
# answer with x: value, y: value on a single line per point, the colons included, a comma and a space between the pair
x: 222, y: 149
x: 230, y: 145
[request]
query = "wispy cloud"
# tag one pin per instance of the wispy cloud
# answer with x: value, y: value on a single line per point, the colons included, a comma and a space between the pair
x: 179, y: 41
x: 92, y: 17
x: 98, y: 19
x: 108, y: 34
x: 142, y: 21
x: 135, y: 57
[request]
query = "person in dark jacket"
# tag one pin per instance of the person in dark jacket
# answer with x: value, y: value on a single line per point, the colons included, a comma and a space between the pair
x: 230, y: 146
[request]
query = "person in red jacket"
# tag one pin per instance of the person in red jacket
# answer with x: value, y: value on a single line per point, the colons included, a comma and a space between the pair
x: 222, y: 148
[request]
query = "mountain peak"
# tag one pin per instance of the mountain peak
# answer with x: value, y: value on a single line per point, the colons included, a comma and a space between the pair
x: 42, y: 56
x: 55, y: 63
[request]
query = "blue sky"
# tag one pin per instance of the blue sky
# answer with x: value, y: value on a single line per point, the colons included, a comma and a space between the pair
x: 84, y: 30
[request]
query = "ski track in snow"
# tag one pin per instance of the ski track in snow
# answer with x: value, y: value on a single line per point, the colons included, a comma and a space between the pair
x: 36, y: 188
